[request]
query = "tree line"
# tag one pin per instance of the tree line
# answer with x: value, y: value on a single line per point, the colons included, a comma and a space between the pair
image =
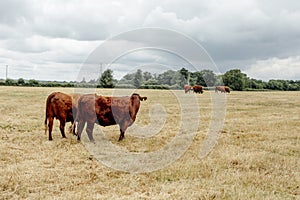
x: 170, y: 79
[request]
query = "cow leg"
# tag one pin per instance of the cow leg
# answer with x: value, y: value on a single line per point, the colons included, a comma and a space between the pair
x: 50, y: 126
x: 73, y: 128
x: 121, y: 135
x: 62, y: 128
x: 123, y: 128
x: 89, y: 131
x: 80, y: 128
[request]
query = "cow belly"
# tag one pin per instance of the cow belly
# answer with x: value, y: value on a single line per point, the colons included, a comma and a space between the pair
x: 69, y: 118
x: 106, y: 123
x: 106, y: 120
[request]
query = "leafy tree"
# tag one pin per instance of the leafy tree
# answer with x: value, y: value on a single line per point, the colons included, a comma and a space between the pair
x: 293, y: 86
x: 285, y: 84
x: 235, y: 79
x: 275, y: 85
x: 138, y: 78
x: 176, y: 79
x: 209, y: 77
x: 129, y: 76
x: 147, y: 76
x: 33, y: 83
x: 167, y: 78
x: 10, y: 82
x: 184, y: 76
x: 106, y: 79
x: 196, y: 79
x: 204, y: 77
x: 184, y: 72
x: 253, y: 84
x: 21, y: 81
x: 127, y: 80
x: 219, y: 80
x: 151, y: 81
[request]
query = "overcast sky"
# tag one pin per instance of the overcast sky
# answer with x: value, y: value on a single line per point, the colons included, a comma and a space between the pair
x: 51, y: 40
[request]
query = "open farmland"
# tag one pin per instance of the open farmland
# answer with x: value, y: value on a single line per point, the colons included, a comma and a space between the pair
x: 256, y: 157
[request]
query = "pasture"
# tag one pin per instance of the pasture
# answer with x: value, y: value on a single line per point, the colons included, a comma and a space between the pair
x: 256, y: 156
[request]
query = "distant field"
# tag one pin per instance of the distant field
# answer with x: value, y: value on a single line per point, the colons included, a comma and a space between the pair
x: 256, y: 157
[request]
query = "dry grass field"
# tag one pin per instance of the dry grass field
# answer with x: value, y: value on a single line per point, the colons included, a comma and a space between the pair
x: 257, y: 155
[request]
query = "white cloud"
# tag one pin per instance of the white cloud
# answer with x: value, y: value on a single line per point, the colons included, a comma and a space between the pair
x: 44, y: 58
x: 275, y: 68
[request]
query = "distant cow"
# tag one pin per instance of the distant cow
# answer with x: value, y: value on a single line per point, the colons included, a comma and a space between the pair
x: 187, y: 88
x: 107, y: 111
x: 222, y: 89
x: 198, y: 89
x: 62, y: 107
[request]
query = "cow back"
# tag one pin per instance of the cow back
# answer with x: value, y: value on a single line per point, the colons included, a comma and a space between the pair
x: 198, y: 89
x: 60, y: 106
x: 223, y: 89
x: 117, y: 110
x: 187, y: 88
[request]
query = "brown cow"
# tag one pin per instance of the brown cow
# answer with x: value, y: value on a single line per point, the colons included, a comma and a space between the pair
x: 198, y: 89
x: 62, y: 107
x: 187, y: 88
x: 222, y: 89
x: 107, y: 111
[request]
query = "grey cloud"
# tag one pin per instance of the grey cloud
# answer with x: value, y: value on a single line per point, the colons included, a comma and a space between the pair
x: 234, y: 33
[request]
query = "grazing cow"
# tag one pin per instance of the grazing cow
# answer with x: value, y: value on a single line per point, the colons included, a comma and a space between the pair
x: 62, y: 107
x: 107, y: 111
x: 198, y: 89
x: 222, y: 89
x: 187, y: 88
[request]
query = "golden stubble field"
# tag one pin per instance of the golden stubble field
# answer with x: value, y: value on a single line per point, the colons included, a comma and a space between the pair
x: 256, y: 157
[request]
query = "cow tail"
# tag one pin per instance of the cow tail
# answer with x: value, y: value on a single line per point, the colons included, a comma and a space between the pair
x: 46, y: 118
x: 46, y: 127
x: 48, y: 101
